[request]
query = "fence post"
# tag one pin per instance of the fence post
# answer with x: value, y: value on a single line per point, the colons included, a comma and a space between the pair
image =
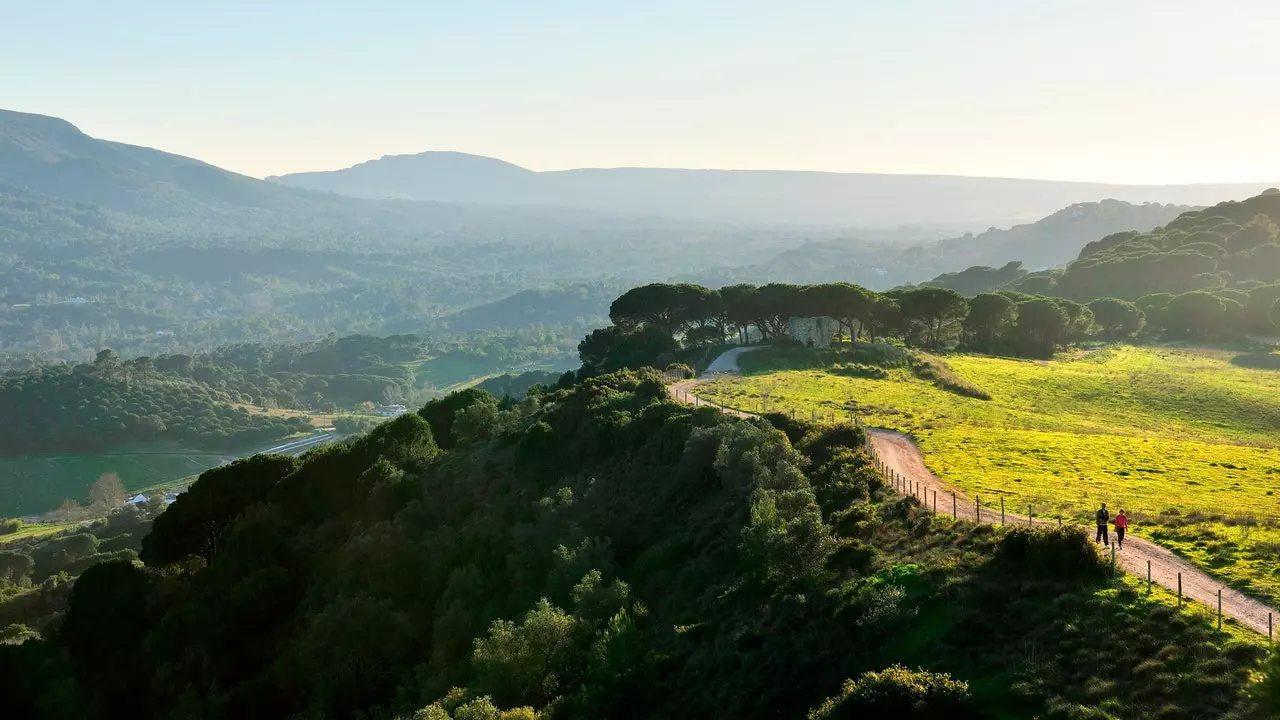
x: 1001, y: 511
x: 1148, y: 577
x: 1179, y: 591
x: 953, y: 506
x: 1028, y: 516
x: 977, y: 508
x: 1059, y: 521
x: 1113, y: 558
x: 1269, y: 639
x: 935, y: 502
x: 1219, y: 609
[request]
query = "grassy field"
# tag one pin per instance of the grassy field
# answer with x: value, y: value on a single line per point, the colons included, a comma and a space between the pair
x: 1185, y: 440
x: 447, y: 370
x: 32, y: 485
x: 35, y: 530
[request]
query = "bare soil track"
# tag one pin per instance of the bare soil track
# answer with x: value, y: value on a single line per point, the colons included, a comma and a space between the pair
x: 902, y: 459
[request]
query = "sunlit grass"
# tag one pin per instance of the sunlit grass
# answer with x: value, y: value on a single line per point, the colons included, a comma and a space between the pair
x: 1184, y: 440
x: 35, y: 530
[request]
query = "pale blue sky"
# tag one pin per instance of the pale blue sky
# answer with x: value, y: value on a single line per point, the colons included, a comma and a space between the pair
x: 1112, y: 90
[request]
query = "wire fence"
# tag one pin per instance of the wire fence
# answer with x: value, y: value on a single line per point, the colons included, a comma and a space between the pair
x: 960, y: 508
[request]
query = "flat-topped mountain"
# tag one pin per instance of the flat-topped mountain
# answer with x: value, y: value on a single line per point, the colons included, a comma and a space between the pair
x: 768, y: 196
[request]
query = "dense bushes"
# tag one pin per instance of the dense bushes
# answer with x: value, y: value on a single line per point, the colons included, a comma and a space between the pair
x: 897, y: 692
x: 1061, y: 553
x: 610, y: 554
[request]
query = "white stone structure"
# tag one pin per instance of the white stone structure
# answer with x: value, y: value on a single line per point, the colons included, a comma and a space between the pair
x: 813, y: 331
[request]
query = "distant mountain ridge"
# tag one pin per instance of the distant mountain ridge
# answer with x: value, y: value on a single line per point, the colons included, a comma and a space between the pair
x: 757, y: 196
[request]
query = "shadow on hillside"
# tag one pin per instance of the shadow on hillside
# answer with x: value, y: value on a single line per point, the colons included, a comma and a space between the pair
x: 1258, y: 360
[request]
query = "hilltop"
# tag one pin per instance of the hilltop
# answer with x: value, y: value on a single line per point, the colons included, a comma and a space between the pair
x: 758, y: 196
x: 596, y: 551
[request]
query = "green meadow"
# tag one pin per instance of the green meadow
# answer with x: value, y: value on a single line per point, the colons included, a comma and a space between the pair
x: 36, y: 484
x: 1184, y: 439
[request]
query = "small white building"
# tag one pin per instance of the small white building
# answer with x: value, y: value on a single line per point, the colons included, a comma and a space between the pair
x: 136, y: 500
x: 813, y: 331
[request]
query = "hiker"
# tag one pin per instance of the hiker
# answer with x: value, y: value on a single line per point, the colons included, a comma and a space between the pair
x: 1122, y: 524
x: 1102, y: 516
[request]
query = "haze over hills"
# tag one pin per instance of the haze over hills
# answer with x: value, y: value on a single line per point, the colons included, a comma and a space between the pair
x: 1050, y: 241
x: 146, y: 252
x: 758, y: 196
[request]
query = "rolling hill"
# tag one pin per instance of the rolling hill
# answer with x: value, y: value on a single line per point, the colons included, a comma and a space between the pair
x: 760, y: 196
x: 1050, y: 241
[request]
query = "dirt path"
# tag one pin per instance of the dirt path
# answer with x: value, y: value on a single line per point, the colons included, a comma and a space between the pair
x: 905, y: 467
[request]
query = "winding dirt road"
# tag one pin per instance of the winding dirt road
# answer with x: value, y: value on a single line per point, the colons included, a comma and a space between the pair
x: 905, y: 465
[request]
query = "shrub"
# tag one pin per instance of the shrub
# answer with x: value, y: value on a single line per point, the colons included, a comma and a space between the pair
x: 941, y: 375
x: 825, y: 442
x: 14, y: 566
x: 10, y: 526
x: 899, y: 693
x: 795, y: 430
x: 1265, y: 690
x: 680, y: 370
x: 858, y: 370
x: 1060, y: 553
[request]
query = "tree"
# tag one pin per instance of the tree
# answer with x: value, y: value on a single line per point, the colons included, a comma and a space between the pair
x: 481, y: 420
x: 990, y: 315
x: 1042, y: 325
x: 107, y: 492
x: 522, y: 664
x: 195, y: 522
x: 1153, y: 308
x: 882, y: 316
x: 664, y: 306
x: 737, y: 302
x: 614, y: 348
x: 441, y: 413
x: 1195, y: 313
x: 1079, y: 319
x: 844, y: 302
x: 1259, y: 231
x: 1261, y: 300
x: 1118, y: 318
x: 105, y: 624
x: 936, y: 310
x: 773, y: 307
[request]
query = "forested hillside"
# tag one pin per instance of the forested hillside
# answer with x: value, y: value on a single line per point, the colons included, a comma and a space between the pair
x: 604, y: 552
x: 1232, y: 245
x: 111, y: 245
x: 109, y: 403
x: 1209, y: 273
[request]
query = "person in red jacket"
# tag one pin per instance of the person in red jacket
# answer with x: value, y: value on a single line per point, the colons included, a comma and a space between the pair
x: 1122, y: 524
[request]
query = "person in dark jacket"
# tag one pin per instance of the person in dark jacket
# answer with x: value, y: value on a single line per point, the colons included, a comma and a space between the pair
x: 1102, y: 517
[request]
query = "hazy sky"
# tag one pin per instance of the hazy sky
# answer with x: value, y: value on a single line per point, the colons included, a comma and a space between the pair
x: 1113, y: 90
